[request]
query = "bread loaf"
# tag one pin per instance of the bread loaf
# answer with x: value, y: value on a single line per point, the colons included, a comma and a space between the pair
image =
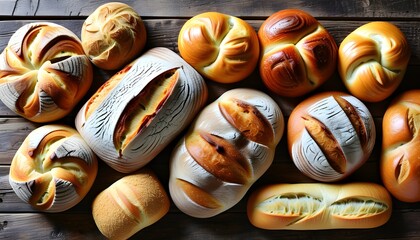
x: 297, y: 53
x: 44, y: 72
x: 228, y: 147
x: 330, y: 135
x: 113, y: 35
x: 53, y: 169
x: 221, y: 47
x: 373, y: 60
x: 140, y: 109
x: 314, y: 206
x: 130, y: 204
x: 400, y: 161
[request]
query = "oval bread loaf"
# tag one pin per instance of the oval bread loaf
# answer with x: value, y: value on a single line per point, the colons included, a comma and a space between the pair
x: 140, y: 109
x: 53, y: 169
x: 314, y: 206
x: 229, y: 146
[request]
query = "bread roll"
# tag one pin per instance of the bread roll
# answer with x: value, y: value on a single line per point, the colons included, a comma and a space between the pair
x: 330, y: 135
x: 228, y: 147
x: 297, y: 53
x: 44, y: 72
x: 400, y: 161
x: 314, y: 206
x: 130, y: 204
x: 113, y: 35
x: 139, y: 110
x: 221, y: 47
x: 373, y: 60
x: 53, y: 169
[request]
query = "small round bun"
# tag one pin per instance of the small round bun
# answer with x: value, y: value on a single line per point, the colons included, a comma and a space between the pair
x: 400, y: 161
x: 330, y: 135
x: 113, y: 35
x: 297, y: 53
x: 221, y: 47
x: 373, y: 60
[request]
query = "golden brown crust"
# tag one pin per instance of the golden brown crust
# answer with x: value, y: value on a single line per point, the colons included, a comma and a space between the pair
x: 198, y: 195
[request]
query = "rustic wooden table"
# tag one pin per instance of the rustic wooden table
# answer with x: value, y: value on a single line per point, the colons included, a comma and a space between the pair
x: 163, y: 19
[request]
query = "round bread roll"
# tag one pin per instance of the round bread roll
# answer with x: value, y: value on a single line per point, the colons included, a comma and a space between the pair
x: 113, y: 35
x: 400, y: 161
x: 53, y: 169
x: 297, y: 53
x: 314, y: 206
x: 221, y: 47
x: 44, y: 72
x: 372, y: 60
x: 330, y: 135
x: 130, y: 204
x: 228, y: 147
x: 141, y: 109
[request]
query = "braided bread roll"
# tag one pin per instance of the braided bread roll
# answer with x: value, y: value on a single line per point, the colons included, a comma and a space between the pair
x: 314, y: 206
x: 400, y: 160
x: 229, y: 146
x: 44, y: 72
x: 372, y: 60
x: 297, y: 53
x: 53, y: 169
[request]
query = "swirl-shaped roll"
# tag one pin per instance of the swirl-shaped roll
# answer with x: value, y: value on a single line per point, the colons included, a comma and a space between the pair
x: 373, y: 60
x: 297, y: 53
x: 228, y: 147
x: 113, y: 35
x: 139, y: 110
x: 44, y: 72
x: 53, y: 169
x: 221, y: 47
x: 400, y: 161
x: 330, y: 135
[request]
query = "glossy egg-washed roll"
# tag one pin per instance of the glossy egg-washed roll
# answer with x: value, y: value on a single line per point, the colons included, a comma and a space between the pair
x: 313, y: 206
x: 140, y: 109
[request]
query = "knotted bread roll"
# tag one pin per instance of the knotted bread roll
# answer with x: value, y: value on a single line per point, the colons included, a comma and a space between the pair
x: 221, y: 47
x: 53, y: 169
x: 139, y: 110
x: 373, y: 60
x: 297, y: 53
x: 330, y: 135
x: 113, y: 35
x: 44, y: 72
x: 229, y: 146
x: 314, y: 206
x: 400, y: 161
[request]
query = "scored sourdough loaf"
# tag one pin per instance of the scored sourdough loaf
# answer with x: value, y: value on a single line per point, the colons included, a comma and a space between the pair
x: 229, y: 146
x: 313, y: 206
x: 132, y: 203
x: 139, y: 110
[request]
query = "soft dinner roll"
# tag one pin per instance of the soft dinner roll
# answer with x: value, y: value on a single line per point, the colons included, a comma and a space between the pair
x: 228, y: 147
x: 44, y: 72
x: 53, y: 169
x: 297, y: 53
x: 372, y: 60
x: 330, y: 135
x: 130, y: 204
x: 141, y: 109
x: 400, y: 161
x: 313, y: 206
x: 221, y: 47
x: 113, y: 35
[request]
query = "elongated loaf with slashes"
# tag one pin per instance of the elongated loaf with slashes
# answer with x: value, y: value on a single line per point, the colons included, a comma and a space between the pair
x: 330, y: 135
x: 140, y: 109
x: 400, y: 161
x: 130, y: 204
x: 229, y: 146
x: 313, y: 206
x: 53, y: 169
